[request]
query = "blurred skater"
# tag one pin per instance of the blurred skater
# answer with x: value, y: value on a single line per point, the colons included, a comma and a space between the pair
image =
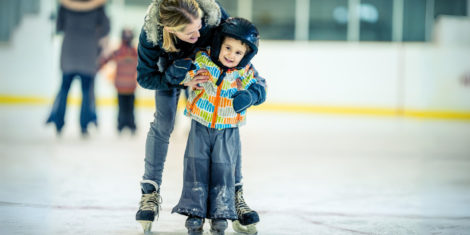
x: 83, y: 23
x: 125, y: 80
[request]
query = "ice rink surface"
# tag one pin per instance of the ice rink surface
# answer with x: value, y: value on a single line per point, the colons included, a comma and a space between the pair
x: 304, y: 174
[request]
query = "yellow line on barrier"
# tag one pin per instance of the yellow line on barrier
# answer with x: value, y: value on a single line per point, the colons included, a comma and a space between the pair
x: 296, y: 108
x: 15, y: 100
x: 437, y: 114
x: 269, y: 107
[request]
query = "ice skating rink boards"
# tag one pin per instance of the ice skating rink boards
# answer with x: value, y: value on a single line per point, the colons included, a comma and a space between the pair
x: 304, y: 174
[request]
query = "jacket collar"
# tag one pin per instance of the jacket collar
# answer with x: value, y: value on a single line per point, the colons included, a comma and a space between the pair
x: 154, y: 30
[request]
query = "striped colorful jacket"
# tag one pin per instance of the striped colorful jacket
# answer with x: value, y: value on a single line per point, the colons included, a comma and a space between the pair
x: 212, y: 106
x: 125, y: 79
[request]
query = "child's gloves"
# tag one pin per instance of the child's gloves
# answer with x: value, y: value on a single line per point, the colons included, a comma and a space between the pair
x: 176, y: 72
x: 243, y: 99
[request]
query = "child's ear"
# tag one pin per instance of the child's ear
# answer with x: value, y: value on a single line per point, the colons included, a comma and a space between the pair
x: 248, y: 49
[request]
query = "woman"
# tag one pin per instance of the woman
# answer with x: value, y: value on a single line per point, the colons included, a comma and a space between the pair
x: 171, y: 32
x: 83, y: 28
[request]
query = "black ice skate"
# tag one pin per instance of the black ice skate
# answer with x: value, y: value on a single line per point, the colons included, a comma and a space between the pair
x: 218, y: 226
x: 247, y: 218
x: 194, y: 225
x: 149, y: 205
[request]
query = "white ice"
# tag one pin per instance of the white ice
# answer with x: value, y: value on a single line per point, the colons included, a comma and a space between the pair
x: 304, y: 174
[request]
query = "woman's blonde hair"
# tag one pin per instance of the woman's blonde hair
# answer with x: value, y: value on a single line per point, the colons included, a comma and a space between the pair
x: 175, y: 15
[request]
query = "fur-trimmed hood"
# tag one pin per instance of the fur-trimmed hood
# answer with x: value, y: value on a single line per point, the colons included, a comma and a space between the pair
x: 153, y: 28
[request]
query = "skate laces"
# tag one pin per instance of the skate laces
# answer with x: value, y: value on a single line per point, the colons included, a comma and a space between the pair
x: 240, y: 204
x: 151, y: 202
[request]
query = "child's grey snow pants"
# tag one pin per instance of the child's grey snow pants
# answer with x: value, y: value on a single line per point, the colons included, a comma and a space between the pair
x: 158, y: 137
x: 209, y: 173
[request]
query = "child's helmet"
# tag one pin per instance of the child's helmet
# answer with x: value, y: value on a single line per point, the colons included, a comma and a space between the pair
x: 240, y: 29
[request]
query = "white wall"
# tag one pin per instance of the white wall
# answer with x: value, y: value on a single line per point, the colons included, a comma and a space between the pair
x: 347, y: 74
x: 26, y: 62
x: 423, y: 76
x: 433, y: 78
x: 376, y: 75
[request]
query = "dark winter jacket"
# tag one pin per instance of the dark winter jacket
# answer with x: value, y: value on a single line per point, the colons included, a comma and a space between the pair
x: 153, y: 60
x: 82, y: 32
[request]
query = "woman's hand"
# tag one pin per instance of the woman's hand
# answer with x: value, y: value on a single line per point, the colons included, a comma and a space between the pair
x: 176, y: 72
x: 202, y: 76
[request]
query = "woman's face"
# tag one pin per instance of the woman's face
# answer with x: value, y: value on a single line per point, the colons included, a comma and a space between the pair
x: 190, y: 33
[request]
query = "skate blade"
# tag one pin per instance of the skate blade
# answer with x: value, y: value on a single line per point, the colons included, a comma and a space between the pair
x: 146, y: 225
x: 246, y: 229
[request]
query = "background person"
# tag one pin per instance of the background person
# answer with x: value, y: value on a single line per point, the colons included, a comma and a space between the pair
x: 80, y: 51
x: 125, y: 80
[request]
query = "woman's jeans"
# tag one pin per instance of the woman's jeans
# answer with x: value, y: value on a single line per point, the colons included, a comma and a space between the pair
x: 158, y: 137
x: 87, y: 111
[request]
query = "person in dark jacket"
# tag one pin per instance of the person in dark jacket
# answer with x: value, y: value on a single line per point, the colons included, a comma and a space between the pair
x: 80, y: 51
x: 214, y: 141
x: 173, y: 29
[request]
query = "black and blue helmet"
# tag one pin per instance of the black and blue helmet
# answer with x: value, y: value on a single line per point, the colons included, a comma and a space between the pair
x: 238, y: 28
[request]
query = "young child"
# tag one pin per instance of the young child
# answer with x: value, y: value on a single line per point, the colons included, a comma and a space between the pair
x: 217, y: 110
x: 125, y: 80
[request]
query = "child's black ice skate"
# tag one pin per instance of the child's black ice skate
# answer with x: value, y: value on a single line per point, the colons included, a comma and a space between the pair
x: 247, y: 218
x: 194, y: 225
x: 218, y: 226
x: 149, y: 205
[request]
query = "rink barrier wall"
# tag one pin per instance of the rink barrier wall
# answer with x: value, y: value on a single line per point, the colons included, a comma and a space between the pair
x: 413, y: 79
x: 266, y: 107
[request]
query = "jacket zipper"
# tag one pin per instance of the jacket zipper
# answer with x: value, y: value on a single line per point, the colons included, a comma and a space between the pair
x: 191, y: 106
x: 217, y: 98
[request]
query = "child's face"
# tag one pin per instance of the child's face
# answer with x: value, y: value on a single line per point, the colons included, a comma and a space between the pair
x: 231, y: 52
